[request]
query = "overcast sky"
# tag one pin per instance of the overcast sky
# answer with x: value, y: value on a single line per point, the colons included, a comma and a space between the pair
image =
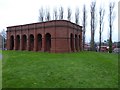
x: 17, y: 12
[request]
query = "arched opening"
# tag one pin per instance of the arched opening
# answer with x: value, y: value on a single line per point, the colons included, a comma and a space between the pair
x: 31, y: 42
x: 47, y: 42
x: 11, y: 42
x: 39, y: 41
x: 17, y: 42
x: 72, y: 42
x: 24, y: 42
x: 76, y: 42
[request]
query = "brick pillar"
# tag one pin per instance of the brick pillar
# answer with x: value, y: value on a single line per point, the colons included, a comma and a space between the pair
x: 43, y: 39
x: 68, y: 38
x: 43, y: 42
x: 35, y: 42
x: 14, y: 43
x: 77, y: 42
x: 81, y: 40
x: 20, y: 42
x: 21, y: 39
x: 15, y: 39
x: 55, y: 37
x: 28, y: 43
x: 77, y: 39
x: 35, y: 39
x: 28, y: 40
x: 74, y: 39
x: 8, y: 40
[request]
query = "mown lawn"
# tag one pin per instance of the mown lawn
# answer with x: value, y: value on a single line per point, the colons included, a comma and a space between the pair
x: 0, y: 51
x: 23, y: 69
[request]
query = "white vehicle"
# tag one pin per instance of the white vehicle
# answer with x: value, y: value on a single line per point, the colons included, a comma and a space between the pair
x: 116, y: 50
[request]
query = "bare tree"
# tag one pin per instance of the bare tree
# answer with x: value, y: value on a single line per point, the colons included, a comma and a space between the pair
x: 93, y: 24
x: 77, y: 12
x: 69, y: 12
x: 111, y: 19
x: 4, y: 36
x: 41, y: 14
x: 84, y: 24
x: 101, y: 16
x: 55, y: 14
x: 47, y: 18
x: 61, y: 12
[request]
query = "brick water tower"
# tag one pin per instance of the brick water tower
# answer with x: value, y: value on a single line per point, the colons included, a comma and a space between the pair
x: 57, y: 36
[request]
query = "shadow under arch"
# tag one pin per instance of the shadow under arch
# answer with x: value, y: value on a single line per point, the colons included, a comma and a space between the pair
x: 47, y: 42
x: 31, y: 42
x: 39, y: 42
x: 18, y: 42
x: 24, y: 42
x: 11, y: 42
x: 72, y: 42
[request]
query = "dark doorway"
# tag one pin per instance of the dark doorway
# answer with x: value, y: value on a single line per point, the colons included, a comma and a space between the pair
x: 24, y: 42
x: 31, y: 42
x: 72, y: 42
x: 17, y: 42
x: 76, y: 42
x: 39, y: 41
x: 47, y: 42
x: 11, y: 42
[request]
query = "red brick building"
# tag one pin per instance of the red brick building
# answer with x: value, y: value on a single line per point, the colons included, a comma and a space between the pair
x: 51, y: 36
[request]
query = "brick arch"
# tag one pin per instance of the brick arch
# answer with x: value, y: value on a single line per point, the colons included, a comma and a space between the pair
x: 24, y: 42
x: 72, y: 42
x: 52, y: 36
x: 47, y: 42
x: 11, y: 42
x: 39, y: 42
x: 31, y: 43
x: 18, y: 42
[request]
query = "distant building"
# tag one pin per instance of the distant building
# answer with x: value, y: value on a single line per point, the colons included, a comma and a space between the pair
x: 87, y: 47
x: 0, y: 42
x: 51, y: 36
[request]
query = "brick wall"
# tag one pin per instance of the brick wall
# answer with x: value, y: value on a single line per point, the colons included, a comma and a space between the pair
x: 51, y: 36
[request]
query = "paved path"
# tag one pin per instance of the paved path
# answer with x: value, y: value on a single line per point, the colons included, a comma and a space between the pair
x: 0, y: 56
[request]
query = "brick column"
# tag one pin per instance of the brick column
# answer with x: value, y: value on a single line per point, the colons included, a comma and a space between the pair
x: 77, y: 39
x: 35, y: 39
x: 74, y: 39
x: 43, y: 42
x: 21, y: 38
x: 43, y: 39
x: 28, y: 40
x: 81, y: 41
x: 15, y: 39
x: 8, y: 40
x: 68, y: 38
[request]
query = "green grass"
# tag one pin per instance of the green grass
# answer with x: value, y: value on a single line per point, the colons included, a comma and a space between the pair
x: 22, y: 69
x: 0, y: 51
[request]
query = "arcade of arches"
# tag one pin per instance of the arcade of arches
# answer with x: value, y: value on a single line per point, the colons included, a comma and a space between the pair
x: 52, y: 36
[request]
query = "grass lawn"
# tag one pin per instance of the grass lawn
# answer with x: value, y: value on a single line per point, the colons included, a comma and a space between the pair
x: 0, y: 51
x: 23, y: 69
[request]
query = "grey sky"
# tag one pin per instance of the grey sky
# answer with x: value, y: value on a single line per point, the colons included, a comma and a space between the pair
x: 17, y: 12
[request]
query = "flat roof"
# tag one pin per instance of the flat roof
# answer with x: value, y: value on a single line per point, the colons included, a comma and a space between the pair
x: 46, y: 22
